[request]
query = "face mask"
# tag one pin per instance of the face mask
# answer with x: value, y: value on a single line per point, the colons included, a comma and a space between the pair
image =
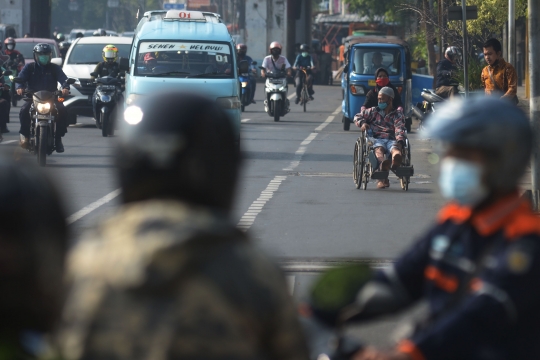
x: 383, y: 106
x: 276, y: 52
x: 461, y: 181
x: 382, y: 82
x: 305, y: 54
x: 43, y: 59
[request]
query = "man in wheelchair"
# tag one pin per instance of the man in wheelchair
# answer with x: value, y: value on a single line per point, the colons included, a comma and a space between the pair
x: 385, y: 127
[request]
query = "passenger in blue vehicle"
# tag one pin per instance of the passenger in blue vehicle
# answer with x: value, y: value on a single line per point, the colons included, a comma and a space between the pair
x: 382, y: 80
x: 477, y: 267
x: 303, y: 61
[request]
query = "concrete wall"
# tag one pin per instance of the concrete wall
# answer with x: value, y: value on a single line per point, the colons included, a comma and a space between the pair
x: 11, y: 13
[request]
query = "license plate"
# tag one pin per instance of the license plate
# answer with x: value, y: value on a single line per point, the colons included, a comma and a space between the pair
x: 372, y: 82
x: 47, y: 117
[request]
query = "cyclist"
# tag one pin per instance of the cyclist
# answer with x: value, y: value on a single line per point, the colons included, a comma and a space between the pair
x: 303, y: 61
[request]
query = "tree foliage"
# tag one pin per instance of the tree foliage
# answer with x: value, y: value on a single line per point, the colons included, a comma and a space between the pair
x: 374, y: 8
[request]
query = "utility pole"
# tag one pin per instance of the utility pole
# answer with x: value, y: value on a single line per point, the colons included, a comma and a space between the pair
x: 534, y: 101
x: 512, y: 32
x: 465, y: 47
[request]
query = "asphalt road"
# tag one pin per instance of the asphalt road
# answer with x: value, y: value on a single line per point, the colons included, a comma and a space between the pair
x: 296, y: 198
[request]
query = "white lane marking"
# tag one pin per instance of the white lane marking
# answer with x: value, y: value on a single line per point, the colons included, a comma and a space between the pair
x: 7, y: 142
x: 76, y: 125
x: 256, y: 207
x: 300, y: 152
x: 291, y: 96
x: 244, y: 120
x: 93, y: 206
x: 338, y: 110
x: 290, y: 279
x: 325, y: 124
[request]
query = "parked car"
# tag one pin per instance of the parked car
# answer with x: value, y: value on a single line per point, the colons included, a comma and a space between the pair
x: 81, y: 59
x: 26, y: 47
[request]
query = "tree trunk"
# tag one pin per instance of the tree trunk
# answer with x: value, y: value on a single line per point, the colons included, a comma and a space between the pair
x: 430, y: 36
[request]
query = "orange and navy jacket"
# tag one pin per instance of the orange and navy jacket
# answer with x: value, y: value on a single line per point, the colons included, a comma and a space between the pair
x: 505, y: 78
x: 498, y: 316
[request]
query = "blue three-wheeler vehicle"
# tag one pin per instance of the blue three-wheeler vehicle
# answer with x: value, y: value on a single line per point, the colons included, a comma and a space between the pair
x: 363, y: 56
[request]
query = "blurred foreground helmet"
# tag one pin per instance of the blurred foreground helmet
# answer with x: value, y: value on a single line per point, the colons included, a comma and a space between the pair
x: 33, y: 243
x: 495, y: 126
x: 178, y: 145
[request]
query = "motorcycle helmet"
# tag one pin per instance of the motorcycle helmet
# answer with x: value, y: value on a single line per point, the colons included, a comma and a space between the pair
x: 99, y: 32
x: 492, y: 125
x: 304, y: 48
x: 241, y: 49
x: 453, y: 53
x: 173, y: 145
x: 60, y: 37
x: 64, y: 45
x: 275, y: 48
x: 10, y: 43
x: 42, y: 54
x: 110, y: 53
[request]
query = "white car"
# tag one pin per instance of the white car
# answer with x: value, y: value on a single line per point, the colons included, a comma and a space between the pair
x: 81, y: 59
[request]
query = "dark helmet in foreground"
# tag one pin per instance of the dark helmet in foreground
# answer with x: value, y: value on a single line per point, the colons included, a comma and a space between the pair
x: 176, y: 145
x: 10, y: 43
x: 33, y: 245
x: 494, y: 126
x: 42, y: 53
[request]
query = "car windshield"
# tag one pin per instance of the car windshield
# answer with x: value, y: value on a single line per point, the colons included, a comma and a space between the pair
x: 184, y: 59
x: 368, y: 60
x: 27, y: 49
x: 91, y: 53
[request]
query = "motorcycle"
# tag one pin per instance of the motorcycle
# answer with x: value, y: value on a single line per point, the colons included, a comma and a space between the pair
x: 244, y: 77
x: 14, y: 70
x: 106, y: 95
x: 430, y: 104
x: 43, y: 114
x: 276, y: 87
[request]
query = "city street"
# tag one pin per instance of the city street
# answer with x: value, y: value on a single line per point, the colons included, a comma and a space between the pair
x: 296, y: 199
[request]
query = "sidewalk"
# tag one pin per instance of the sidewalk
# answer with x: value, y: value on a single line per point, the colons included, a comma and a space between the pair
x: 523, y: 103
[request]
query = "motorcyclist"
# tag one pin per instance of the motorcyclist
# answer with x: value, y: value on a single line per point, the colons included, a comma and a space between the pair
x: 64, y: 47
x: 60, y: 37
x: 241, y: 53
x: 446, y: 86
x: 16, y: 58
x: 42, y: 75
x: 477, y: 268
x: 171, y: 259
x: 32, y: 259
x: 275, y: 62
x: 108, y: 67
x: 303, y: 61
x: 382, y: 79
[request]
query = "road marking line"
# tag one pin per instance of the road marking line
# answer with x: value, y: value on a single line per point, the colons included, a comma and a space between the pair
x: 7, y: 142
x: 309, y: 139
x: 244, y: 120
x: 338, y: 110
x: 256, y: 207
x: 291, y: 96
x: 325, y: 124
x: 93, y: 206
x: 300, y: 152
x: 76, y: 125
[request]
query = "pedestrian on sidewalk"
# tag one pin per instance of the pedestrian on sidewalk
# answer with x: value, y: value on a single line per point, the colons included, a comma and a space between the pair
x: 499, y: 78
x: 170, y: 276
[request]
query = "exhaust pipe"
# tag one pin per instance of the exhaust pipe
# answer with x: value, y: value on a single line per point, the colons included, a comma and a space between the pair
x: 417, y: 112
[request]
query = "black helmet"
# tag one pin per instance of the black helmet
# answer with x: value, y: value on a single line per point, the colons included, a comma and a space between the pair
x: 453, y: 53
x: 64, y: 45
x: 241, y: 47
x: 42, y: 49
x: 79, y: 35
x: 99, y: 32
x: 493, y: 125
x: 175, y: 145
x: 60, y: 37
x: 32, y: 276
x: 304, y: 47
x: 10, y: 43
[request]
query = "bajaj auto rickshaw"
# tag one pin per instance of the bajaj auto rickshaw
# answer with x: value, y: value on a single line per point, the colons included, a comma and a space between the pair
x: 359, y: 72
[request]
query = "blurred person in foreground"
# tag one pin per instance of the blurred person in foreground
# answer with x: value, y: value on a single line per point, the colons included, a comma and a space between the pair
x: 478, y: 267
x: 170, y: 276
x: 33, y: 244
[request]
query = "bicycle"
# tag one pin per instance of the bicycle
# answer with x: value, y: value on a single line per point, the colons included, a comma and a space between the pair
x: 304, y: 95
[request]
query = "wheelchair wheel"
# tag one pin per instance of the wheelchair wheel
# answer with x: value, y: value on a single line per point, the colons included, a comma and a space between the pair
x: 405, y: 183
x: 365, y: 165
x: 358, y: 169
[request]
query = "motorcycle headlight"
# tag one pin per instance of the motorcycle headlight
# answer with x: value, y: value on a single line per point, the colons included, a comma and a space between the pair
x: 43, y: 108
x: 244, y: 83
x: 105, y: 98
x: 283, y: 88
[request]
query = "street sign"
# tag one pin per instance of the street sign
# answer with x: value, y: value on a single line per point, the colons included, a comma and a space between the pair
x: 455, y: 13
x: 174, y: 6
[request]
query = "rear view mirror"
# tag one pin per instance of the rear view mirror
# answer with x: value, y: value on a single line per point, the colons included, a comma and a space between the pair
x: 57, y: 61
x: 94, y: 74
x: 346, y: 68
x: 71, y: 81
x: 123, y: 64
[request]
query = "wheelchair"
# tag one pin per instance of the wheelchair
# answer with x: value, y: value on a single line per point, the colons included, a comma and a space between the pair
x: 365, y: 164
